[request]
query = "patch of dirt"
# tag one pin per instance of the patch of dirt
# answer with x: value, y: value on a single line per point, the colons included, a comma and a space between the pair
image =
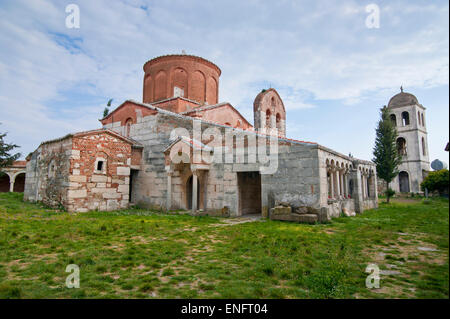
x: 406, y: 252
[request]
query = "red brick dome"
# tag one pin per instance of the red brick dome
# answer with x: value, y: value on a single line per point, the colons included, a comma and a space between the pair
x: 187, y: 76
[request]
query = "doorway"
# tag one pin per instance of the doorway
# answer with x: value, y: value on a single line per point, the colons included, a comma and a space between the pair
x: 249, y: 184
x: 403, y: 178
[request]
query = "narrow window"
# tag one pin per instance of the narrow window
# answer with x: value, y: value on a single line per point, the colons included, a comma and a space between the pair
x: 405, y: 118
x: 423, y: 147
x: 423, y: 121
x: 394, y: 119
x: 278, y: 120
x: 128, y: 124
x: 401, y: 146
x: 268, y: 114
x: 418, y: 118
x: 100, y: 166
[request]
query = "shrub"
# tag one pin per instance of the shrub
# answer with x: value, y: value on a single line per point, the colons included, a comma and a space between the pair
x: 436, y: 181
x: 389, y: 192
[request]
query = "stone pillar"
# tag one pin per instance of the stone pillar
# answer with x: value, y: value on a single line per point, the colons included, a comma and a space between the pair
x: 169, y: 190
x: 345, y: 185
x: 338, y: 189
x: 341, y: 180
x: 332, y: 183
x: 194, y: 191
x: 11, y: 185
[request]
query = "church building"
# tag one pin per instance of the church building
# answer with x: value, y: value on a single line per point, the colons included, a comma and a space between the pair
x: 183, y: 149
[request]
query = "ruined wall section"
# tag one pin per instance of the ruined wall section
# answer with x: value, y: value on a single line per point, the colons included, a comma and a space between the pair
x: 47, y: 177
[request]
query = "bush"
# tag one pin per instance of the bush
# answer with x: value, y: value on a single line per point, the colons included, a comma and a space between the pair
x: 436, y: 181
x: 389, y: 192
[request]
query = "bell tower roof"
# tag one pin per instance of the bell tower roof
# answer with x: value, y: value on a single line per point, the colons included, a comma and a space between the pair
x: 402, y: 99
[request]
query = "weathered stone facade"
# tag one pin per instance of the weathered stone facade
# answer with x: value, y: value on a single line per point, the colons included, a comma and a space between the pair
x: 205, y: 158
x: 82, y: 172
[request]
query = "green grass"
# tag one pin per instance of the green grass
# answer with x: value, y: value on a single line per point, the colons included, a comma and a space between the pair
x: 142, y: 254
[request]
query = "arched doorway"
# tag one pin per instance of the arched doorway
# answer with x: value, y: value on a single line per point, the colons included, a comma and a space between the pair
x: 19, y: 183
x: 4, y: 182
x: 189, y: 193
x: 403, y: 180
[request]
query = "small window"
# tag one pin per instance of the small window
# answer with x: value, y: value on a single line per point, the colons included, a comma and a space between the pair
x: 178, y: 92
x: 405, y: 118
x: 100, y: 166
x: 394, y: 119
x: 423, y: 120
x: 128, y: 124
x: 418, y: 118
x: 424, y: 152
x: 268, y: 115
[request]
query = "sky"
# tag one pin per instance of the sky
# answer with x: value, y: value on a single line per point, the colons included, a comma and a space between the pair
x: 332, y: 71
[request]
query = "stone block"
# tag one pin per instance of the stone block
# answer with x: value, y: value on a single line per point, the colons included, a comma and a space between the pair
x: 77, y: 178
x: 99, y: 178
x: 111, y: 195
x: 80, y: 193
x: 280, y: 210
x: 123, y: 189
x: 123, y: 171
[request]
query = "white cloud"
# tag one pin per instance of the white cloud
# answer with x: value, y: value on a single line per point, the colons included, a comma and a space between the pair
x: 310, y: 51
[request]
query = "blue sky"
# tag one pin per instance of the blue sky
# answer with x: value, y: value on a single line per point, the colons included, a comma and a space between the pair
x: 332, y: 72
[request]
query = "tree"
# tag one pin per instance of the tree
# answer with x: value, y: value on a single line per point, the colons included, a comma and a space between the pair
x: 106, y: 110
x: 436, y: 181
x: 386, y: 156
x: 6, y: 158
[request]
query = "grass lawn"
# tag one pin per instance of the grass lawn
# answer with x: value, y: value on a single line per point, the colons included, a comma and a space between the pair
x: 143, y: 254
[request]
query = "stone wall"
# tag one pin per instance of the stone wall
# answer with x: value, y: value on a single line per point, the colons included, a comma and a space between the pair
x: 91, y: 188
x: 66, y: 172
x: 47, y: 177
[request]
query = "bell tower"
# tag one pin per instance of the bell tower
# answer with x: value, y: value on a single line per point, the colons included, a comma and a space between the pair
x: 269, y: 112
x: 408, y: 115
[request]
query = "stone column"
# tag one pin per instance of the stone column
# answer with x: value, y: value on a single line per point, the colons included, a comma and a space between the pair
x: 338, y: 189
x: 194, y: 191
x: 364, y: 185
x: 341, y: 180
x: 169, y: 190
x: 345, y: 185
x: 11, y: 186
x: 332, y: 183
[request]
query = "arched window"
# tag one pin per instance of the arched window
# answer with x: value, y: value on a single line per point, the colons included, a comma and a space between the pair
x: 394, y: 119
x: 268, y: 115
x: 278, y: 120
x: 423, y: 121
x: 128, y: 124
x: 405, y: 118
x: 401, y: 146
x: 418, y: 118
x: 423, y: 147
x: 272, y: 102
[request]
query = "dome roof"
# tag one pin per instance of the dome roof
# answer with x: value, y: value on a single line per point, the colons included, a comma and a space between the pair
x: 402, y: 99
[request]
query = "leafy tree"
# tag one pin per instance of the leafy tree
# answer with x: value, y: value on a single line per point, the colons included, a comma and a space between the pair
x: 6, y: 158
x: 106, y: 110
x: 436, y: 181
x: 386, y: 156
